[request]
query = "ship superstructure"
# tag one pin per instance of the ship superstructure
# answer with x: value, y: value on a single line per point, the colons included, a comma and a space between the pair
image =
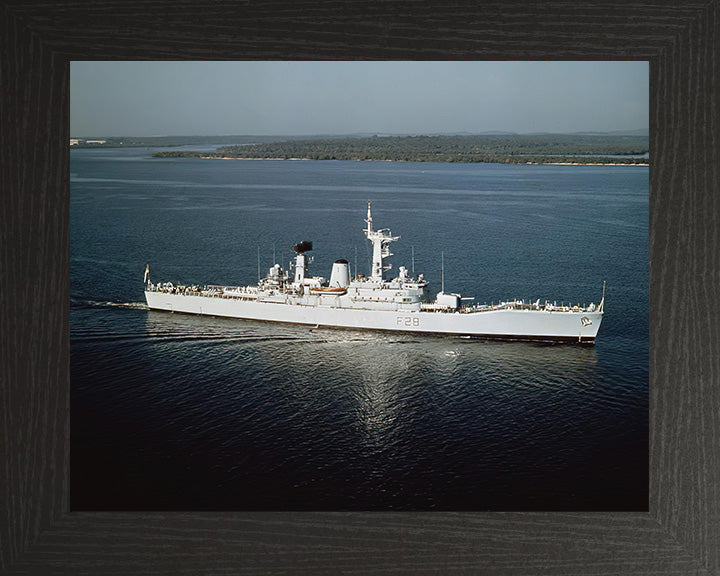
x: 375, y: 302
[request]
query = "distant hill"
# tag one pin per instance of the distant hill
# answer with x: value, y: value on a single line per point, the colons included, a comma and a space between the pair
x: 638, y: 132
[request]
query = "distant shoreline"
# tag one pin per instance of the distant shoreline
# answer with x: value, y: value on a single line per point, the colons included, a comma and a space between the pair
x: 561, y: 149
x: 528, y: 149
x: 439, y: 162
x: 588, y: 163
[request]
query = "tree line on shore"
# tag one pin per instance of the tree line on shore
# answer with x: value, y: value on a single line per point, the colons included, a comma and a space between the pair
x: 544, y: 148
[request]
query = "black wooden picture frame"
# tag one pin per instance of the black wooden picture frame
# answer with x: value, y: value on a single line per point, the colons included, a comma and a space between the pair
x: 680, y: 534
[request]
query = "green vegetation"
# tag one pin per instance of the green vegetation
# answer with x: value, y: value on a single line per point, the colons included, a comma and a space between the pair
x: 545, y: 148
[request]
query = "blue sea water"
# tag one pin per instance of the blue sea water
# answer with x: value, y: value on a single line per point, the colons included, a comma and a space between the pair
x: 180, y: 412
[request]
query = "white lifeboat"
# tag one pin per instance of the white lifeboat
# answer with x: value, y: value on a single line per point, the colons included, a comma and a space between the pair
x: 333, y: 290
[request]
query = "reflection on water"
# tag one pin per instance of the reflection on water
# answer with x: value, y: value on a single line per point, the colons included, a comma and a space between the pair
x: 378, y: 397
x: 211, y: 413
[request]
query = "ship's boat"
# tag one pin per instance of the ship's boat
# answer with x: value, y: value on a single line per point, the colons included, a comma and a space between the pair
x: 328, y: 290
x: 377, y: 302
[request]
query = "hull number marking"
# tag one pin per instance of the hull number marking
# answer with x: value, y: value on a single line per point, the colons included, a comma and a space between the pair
x: 408, y: 321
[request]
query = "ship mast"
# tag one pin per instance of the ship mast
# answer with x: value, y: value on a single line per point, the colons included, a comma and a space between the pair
x: 442, y: 272
x: 380, y: 241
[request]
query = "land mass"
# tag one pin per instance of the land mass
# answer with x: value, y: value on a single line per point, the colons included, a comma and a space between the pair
x: 498, y: 148
x: 166, y: 141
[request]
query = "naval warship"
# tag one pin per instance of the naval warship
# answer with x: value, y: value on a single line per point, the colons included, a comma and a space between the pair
x: 376, y: 302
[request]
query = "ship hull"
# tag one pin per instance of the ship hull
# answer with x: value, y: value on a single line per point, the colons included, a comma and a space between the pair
x: 505, y: 324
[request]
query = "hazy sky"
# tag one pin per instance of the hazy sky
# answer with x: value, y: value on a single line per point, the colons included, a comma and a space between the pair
x: 214, y: 98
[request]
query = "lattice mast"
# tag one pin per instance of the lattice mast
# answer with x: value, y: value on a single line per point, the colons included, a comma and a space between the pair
x: 380, y: 240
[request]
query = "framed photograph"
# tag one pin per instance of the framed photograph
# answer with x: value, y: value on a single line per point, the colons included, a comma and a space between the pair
x: 610, y: 516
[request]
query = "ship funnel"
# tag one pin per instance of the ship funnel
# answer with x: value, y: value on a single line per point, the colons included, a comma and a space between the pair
x: 340, y: 276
